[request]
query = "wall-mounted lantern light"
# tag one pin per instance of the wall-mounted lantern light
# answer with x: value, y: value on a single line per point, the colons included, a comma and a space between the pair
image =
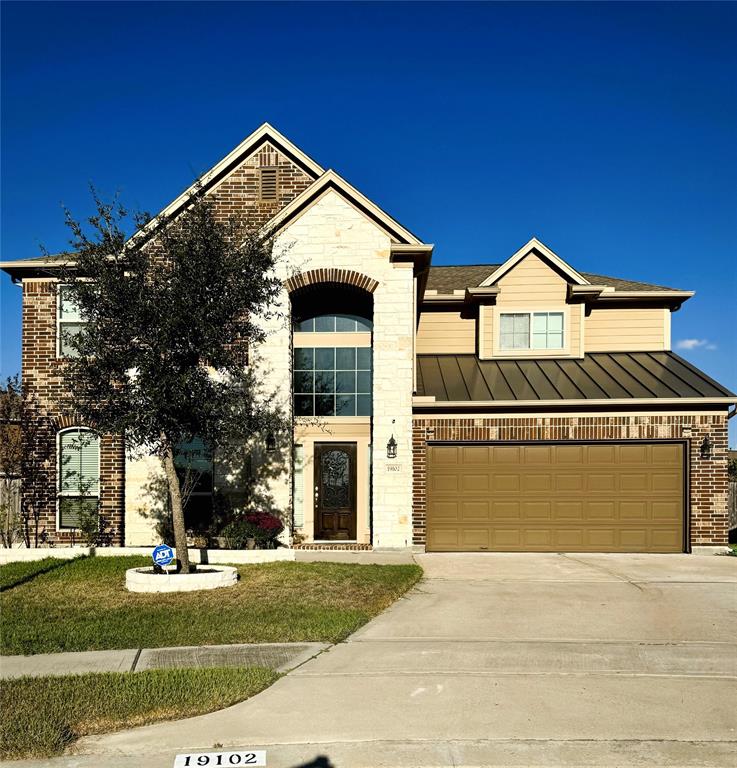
x: 391, y: 446
x: 705, y: 450
x: 270, y: 442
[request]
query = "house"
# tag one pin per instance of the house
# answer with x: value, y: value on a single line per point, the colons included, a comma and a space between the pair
x: 522, y: 405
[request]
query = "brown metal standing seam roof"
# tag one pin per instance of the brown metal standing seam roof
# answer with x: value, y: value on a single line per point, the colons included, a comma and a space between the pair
x: 598, y: 376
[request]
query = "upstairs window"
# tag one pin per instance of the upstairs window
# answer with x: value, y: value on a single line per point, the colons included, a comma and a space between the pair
x: 332, y: 381
x: 531, y: 330
x: 70, y: 322
x: 333, y: 324
x: 79, y: 475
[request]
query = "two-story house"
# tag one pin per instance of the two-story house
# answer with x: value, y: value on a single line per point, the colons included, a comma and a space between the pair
x: 514, y: 406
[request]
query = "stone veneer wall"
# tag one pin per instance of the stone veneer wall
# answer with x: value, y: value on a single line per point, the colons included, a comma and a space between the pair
x: 708, y: 482
x: 333, y: 234
x: 42, y: 375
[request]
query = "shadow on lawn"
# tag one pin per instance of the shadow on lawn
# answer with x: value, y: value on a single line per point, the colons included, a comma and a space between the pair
x: 24, y: 578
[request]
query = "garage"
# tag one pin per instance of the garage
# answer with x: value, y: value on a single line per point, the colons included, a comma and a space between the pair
x: 609, y: 496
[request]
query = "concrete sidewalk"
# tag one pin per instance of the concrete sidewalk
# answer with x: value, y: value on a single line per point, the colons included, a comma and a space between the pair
x: 279, y: 656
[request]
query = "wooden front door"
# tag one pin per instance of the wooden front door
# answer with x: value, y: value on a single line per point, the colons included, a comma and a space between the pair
x: 335, y: 491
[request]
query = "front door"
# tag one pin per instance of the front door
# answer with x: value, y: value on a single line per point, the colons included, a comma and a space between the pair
x: 335, y: 491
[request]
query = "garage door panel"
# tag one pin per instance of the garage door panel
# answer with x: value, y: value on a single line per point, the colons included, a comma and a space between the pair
x: 634, y: 481
x: 569, y: 482
x: 475, y: 482
x: 534, y: 483
x: 475, y: 454
x: 601, y: 483
x: 666, y: 481
x: 475, y: 510
x: 444, y: 511
x: 604, y: 497
x: 635, y: 453
x: 444, y: 482
x: 505, y: 510
x: 568, y: 510
x: 633, y: 510
x: 536, y: 510
x: 506, y: 482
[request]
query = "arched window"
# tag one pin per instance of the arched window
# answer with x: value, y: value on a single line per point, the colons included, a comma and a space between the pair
x: 79, y: 475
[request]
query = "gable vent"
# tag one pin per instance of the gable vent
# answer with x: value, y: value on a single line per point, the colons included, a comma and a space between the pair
x: 269, y: 184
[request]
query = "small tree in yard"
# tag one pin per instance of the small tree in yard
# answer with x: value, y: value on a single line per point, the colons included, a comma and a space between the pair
x: 169, y: 315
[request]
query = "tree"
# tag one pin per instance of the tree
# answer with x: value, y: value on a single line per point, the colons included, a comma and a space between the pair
x: 170, y: 314
x: 11, y: 460
x: 24, y: 458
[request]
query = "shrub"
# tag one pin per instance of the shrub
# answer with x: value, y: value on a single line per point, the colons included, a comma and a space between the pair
x: 263, y: 527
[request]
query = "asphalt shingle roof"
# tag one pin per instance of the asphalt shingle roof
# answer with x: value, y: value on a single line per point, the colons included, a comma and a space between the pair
x: 446, y: 279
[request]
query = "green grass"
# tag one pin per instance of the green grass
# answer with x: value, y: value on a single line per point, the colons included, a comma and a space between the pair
x: 42, y: 716
x: 733, y: 547
x: 83, y: 605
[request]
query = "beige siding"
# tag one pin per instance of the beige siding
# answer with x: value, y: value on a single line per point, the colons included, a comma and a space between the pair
x: 445, y: 332
x: 532, y: 282
x: 532, y: 285
x: 626, y: 330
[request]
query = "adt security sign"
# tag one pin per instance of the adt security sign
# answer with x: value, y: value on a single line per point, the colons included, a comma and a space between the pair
x: 162, y: 555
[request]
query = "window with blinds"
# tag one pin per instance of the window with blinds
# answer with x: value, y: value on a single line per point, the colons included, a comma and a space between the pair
x: 269, y: 184
x: 79, y: 475
x: 70, y: 323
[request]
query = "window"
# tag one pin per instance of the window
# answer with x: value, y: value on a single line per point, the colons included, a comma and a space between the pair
x: 333, y: 324
x: 193, y: 461
x: 79, y: 475
x: 531, y: 330
x: 269, y: 184
x: 70, y: 323
x: 332, y: 381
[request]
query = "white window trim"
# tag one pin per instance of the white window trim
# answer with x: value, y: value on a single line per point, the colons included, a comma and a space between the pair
x: 564, y: 351
x: 60, y: 322
x: 59, y: 492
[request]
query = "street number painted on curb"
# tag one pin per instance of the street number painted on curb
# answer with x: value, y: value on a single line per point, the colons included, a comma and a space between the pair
x: 222, y: 759
x: 163, y: 555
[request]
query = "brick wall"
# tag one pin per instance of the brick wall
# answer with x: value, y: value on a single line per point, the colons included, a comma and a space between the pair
x: 238, y: 194
x: 708, y: 482
x: 42, y: 375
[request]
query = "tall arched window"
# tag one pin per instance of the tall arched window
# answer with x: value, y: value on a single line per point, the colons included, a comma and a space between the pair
x: 79, y: 475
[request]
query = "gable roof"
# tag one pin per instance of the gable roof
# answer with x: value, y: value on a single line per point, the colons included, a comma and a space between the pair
x: 263, y: 134
x: 331, y: 180
x: 533, y: 245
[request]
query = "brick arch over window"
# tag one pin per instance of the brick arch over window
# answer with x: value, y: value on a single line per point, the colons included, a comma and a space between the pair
x: 331, y: 275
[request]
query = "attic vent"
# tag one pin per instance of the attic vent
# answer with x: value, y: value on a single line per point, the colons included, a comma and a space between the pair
x: 269, y: 184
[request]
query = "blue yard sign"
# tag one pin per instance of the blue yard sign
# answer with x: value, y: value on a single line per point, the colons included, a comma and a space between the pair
x: 162, y: 555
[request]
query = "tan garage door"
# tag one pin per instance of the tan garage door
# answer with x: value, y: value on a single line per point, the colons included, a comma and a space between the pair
x: 593, y: 497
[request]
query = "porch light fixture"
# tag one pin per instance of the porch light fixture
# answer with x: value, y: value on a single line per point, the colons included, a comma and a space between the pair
x: 391, y: 446
x: 270, y: 443
x: 705, y: 451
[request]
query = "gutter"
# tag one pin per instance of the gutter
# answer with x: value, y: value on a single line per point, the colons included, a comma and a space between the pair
x: 431, y: 403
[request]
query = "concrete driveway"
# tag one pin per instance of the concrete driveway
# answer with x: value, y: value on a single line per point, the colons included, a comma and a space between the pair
x: 502, y: 660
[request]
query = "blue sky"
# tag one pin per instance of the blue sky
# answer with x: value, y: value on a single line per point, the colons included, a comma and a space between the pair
x: 609, y: 131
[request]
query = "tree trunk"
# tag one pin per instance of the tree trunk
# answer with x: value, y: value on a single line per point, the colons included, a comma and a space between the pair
x: 177, y: 511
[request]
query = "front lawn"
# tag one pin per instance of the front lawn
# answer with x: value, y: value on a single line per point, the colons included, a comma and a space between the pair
x: 44, y: 715
x: 82, y: 604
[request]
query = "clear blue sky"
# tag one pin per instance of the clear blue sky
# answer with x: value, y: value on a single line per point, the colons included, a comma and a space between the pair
x: 608, y: 131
